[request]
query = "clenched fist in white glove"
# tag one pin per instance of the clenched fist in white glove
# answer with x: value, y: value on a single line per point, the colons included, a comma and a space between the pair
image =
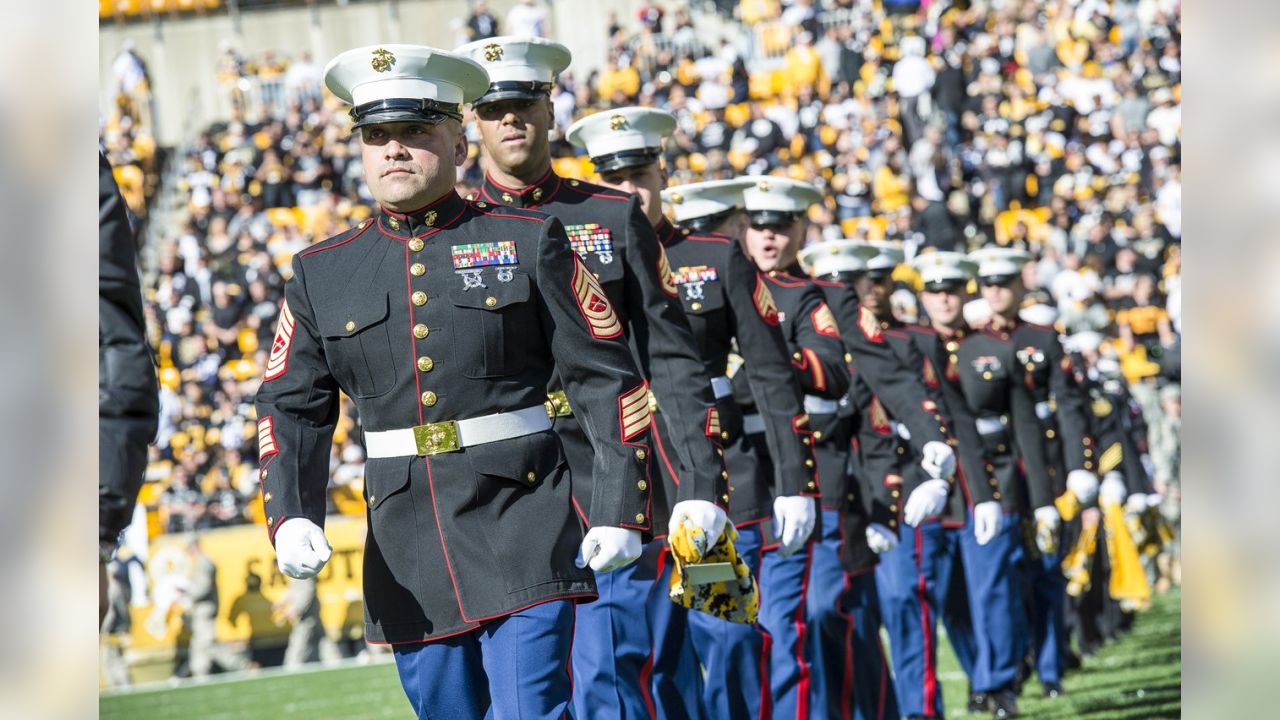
x: 1049, y: 517
x: 301, y: 548
x: 1136, y: 503
x: 881, y: 539
x: 1084, y: 485
x: 793, y: 520
x: 608, y: 548
x: 1113, y: 489
x: 705, y: 516
x: 987, y: 518
x: 928, y: 499
x: 938, y: 459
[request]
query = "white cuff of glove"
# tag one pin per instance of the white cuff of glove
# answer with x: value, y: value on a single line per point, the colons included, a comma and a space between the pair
x: 987, y: 519
x: 880, y: 538
x: 609, y: 548
x: 927, y: 500
x: 1112, y: 490
x: 793, y: 520
x: 938, y: 459
x: 702, y: 515
x: 301, y: 548
x: 1084, y: 485
x: 1048, y: 515
x: 1136, y: 503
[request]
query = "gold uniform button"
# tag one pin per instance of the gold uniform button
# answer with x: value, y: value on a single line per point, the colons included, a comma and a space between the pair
x: 482, y: 204
x: 817, y: 434
x: 417, y: 269
x: 990, y: 467
x: 573, y: 183
x: 808, y: 463
x: 724, y: 474
x: 266, y: 498
x: 797, y: 356
x: 537, y: 193
x: 350, y: 325
x: 724, y: 499
x: 641, y: 454
x: 425, y: 363
x: 506, y: 198
x: 263, y: 474
x: 952, y: 346
x: 642, y: 485
x: 1088, y: 465
x: 1088, y: 453
x: 639, y: 517
x: 271, y: 521
x: 490, y: 301
x: 416, y: 244
x: 805, y: 440
x: 894, y: 507
x: 901, y: 451
x: 724, y: 434
x: 419, y: 298
x: 812, y: 485
x: 895, y: 493
x: 429, y: 398
x: 1001, y: 447
x: 1049, y: 434
x: 995, y: 495
x: 986, y: 376
x: 733, y: 489
x: 531, y: 476
x: 1031, y: 367
x: 720, y: 452
x: 848, y: 358
x: 696, y: 306
x: 420, y: 331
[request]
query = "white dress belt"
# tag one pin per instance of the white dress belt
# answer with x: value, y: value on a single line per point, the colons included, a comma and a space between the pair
x: 900, y: 429
x: 991, y: 425
x: 472, y: 431
x: 815, y: 405
x: 721, y: 387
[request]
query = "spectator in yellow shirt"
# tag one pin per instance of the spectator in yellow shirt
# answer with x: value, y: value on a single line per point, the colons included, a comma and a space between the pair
x: 803, y: 66
x: 891, y: 186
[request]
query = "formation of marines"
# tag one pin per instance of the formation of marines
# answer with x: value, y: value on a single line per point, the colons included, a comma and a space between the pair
x: 625, y: 463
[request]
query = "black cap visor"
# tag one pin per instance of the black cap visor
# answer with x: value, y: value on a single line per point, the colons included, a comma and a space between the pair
x: 708, y: 223
x: 773, y: 218
x: 402, y: 110
x: 626, y: 159
x: 513, y: 90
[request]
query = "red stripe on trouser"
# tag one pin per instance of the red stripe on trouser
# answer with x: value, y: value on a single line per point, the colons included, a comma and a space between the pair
x: 766, y: 696
x: 802, y: 688
x: 926, y: 625
x: 646, y: 672
x: 568, y: 664
x: 846, y: 680
x: 884, y: 679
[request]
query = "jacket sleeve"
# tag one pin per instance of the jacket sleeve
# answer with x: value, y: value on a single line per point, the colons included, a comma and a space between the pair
x: 669, y: 356
x: 773, y: 384
x: 1029, y: 436
x: 601, y: 380
x: 879, y: 462
x: 818, y: 354
x: 128, y: 402
x: 297, y: 406
x: 1071, y: 407
x: 894, y: 381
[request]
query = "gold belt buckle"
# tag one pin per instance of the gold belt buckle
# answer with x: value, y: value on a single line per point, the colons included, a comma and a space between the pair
x: 557, y: 404
x: 435, y: 438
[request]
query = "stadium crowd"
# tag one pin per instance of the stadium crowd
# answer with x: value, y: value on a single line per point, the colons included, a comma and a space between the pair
x: 1052, y: 127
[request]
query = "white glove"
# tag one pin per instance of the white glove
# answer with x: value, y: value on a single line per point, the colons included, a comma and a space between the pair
x: 928, y: 499
x: 1112, y: 489
x: 793, y: 520
x: 987, y: 518
x: 609, y: 548
x: 1084, y: 485
x: 938, y: 459
x: 881, y: 539
x: 301, y: 548
x: 700, y: 514
x: 1155, y: 500
x: 1136, y: 503
x: 1049, y: 517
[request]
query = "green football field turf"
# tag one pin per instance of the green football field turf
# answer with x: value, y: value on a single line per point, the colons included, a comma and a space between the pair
x: 1140, y: 676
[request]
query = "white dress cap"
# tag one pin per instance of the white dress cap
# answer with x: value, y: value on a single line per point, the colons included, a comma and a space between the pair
x: 622, y: 137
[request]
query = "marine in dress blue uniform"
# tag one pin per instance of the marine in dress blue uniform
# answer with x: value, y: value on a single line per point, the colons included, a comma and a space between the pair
x: 849, y: 670
x: 613, y: 238
x: 777, y: 209
x: 443, y: 320
x: 728, y: 301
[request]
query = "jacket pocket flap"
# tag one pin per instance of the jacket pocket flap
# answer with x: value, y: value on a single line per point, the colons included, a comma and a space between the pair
x: 495, y: 295
x: 348, y: 321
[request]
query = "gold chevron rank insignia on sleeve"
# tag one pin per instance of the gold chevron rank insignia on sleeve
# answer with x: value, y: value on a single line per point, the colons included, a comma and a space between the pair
x: 595, y: 306
x: 633, y: 412
x: 1111, y: 458
x: 765, y: 305
x: 824, y: 322
x: 665, y: 276
x: 869, y: 324
x: 713, y: 423
x: 278, y: 361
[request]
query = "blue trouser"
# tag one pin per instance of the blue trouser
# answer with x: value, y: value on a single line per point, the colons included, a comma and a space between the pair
x: 913, y: 581
x: 782, y: 590
x: 513, y: 667
x: 734, y: 655
x: 612, y: 644
x: 676, y: 684
x: 848, y: 673
x: 874, y: 693
x: 990, y: 573
x: 1042, y: 616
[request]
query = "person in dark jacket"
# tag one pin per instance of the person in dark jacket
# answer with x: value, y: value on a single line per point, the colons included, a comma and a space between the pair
x: 128, y: 396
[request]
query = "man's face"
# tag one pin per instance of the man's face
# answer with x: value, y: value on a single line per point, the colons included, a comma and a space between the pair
x: 515, y: 134
x: 644, y: 181
x: 1003, y: 297
x: 944, y: 306
x: 773, y: 247
x: 873, y: 293
x: 734, y: 226
x: 409, y: 164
